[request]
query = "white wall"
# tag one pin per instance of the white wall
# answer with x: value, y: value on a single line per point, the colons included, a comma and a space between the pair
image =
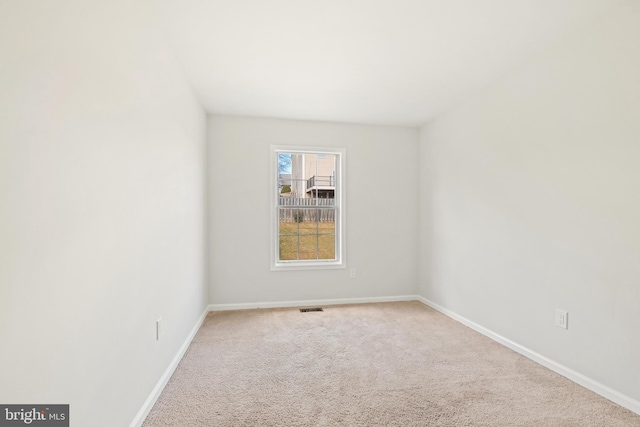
x: 529, y: 201
x: 102, y: 201
x: 381, y: 226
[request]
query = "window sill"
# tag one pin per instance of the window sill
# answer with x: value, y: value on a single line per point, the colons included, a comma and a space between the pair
x: 316, y: 265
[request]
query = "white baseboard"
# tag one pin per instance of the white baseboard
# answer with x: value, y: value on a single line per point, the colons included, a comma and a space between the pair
x: 306, y: 303
x: 157, y: 390
x: 586, y: 382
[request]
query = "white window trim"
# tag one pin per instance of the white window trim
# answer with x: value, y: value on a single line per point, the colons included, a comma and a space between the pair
x: 340, y: 196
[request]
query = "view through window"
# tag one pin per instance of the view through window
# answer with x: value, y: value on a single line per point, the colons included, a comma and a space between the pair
x: 308, y: 207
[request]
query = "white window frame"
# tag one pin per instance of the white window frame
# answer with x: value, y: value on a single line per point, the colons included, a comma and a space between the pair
x: 340, y: 201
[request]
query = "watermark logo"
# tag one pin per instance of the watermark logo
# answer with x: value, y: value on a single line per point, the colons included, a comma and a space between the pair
x: 34, y: 415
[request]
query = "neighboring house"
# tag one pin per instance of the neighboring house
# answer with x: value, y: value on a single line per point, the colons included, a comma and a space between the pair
x: 313, y: 176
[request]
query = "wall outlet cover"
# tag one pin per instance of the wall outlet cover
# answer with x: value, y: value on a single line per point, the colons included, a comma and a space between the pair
x: 562, y: 319
x: 159, y: 329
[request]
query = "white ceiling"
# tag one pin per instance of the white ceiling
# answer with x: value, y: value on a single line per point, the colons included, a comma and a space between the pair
x: 389, y: 62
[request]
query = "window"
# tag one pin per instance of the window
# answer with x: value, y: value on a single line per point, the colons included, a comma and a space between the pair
x: 307, y: 205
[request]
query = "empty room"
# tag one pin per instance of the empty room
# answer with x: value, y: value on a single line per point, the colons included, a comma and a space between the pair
x: 331, y: 213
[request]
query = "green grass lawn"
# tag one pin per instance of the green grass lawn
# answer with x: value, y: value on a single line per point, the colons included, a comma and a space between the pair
x: 307, y: 240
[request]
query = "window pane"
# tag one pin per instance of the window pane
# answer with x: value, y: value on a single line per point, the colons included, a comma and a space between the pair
x: 288, y: 248
x: 308, y: 247
x: 327, y: 247
x: 327, y: 227
x: 287, y: 227
x: 309, y: 225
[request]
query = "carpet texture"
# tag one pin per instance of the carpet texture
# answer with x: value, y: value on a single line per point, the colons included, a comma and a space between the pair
x: 387, y: 364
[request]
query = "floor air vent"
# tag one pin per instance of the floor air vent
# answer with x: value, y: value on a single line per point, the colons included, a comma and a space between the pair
x: 306, y: 310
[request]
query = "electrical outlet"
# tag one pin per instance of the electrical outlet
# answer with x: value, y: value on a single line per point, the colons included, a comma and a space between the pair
x: 562, y: 319
x: 159, y: 329
x: 352, y: 273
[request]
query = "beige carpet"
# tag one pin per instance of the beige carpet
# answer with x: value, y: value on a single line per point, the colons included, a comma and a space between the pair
x: 388, y: 364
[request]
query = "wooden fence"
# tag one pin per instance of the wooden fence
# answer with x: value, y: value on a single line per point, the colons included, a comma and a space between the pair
x: 302, y: 210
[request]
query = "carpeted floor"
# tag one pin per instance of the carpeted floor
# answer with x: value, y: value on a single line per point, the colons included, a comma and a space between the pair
x: 387, y: 364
